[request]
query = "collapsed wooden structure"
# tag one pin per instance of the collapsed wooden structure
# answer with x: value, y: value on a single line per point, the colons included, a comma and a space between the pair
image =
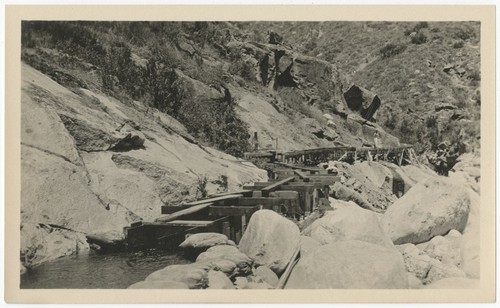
x: 404, y: 154
x: 293, y: 192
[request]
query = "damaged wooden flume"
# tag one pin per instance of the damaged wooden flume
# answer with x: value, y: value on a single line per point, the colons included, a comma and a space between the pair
x: 293, y: 193
x: 209, y: 231
x: 247, y: 239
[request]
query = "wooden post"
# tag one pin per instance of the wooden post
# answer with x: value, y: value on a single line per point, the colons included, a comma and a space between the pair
x: 412, y: 151
x: 243, y: 224
x: 307, y: 205
x: 327, y: 191
x: 400, y: 160
x: 226, y: 229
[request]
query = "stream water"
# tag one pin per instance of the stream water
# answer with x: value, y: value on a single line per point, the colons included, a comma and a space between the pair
x: 99, y: 271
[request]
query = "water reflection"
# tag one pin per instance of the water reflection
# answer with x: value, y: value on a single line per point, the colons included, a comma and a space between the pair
x: 98, y: 271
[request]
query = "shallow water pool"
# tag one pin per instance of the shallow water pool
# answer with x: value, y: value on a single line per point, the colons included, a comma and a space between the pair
x: 99, y: 271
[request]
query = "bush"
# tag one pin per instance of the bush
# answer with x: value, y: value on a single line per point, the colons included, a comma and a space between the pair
x: 464, y: 33
x: 431, y: 121
x: 391, y: 122
x: 201, y: 187
x: 458, y: 44
x: 419, y: 38
x: 420, y: 25
x: 475, y: 75
x: 390, y: 50
x: 70, y: 37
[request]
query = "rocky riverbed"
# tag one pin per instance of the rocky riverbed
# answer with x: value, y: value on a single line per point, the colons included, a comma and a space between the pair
x: 428, y: 238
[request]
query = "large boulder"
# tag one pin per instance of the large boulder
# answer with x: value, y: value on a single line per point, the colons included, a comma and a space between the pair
x: 414, y: 282
x: 418, y: 173
x: 193, y: 275
x: 470, y: 248
x: 226, y: 266
x: 441, y: 270
x: 205, y: 240
x: 416, y: 261
x: 226, y: 252
x: 349, y: 224
x: 41, y: 243
x: 443, y: 250
x: 54, y: 189
x: 430, y: 208
x: 342, y: 192
x: 218, y: 280
x: 307, y: 244
x: 349, y: 265
x: 267, y: 275
x: 469, y: 164
x: 270, y: 239
x: 363, y: 101
x: 43, y: 129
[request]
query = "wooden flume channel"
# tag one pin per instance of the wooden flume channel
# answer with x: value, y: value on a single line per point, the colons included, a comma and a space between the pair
x: 294, y: 190
x: 293, y: 193
x: 404, y: 154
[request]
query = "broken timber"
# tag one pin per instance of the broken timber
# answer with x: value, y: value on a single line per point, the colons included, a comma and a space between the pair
x: 293, y: 193
x: 311, y: 157
x: 295, y: 189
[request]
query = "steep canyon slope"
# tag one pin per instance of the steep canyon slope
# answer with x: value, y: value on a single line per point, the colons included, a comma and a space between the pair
x: 121, y: 118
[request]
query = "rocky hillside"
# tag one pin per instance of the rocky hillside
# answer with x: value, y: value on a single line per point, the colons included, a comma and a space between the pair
x: 426, y: 73
x: 121, y: 118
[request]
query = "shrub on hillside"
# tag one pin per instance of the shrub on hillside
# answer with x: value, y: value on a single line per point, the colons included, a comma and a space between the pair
x: 421, y: 25
x: 431, y: 121
x: 390, y: 50
x: 70, y: 37
x: 464, y: 33
x: 475, y: 75
x: 419, y: 38
x: 392, y: 121
x: 458, y: 44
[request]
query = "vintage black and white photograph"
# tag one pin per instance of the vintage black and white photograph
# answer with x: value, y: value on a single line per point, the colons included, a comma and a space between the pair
x: 250, y: 154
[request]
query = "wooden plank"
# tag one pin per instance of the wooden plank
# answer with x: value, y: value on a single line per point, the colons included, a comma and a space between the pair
x: 302, y: 175
x: 232, y: 210
x: 181, y: 213
x: 284, y: 277
x: 324, y: 180
x: 190, y: 223
x: 174, y: 234
x: 226, y: 229
x: 169, y: 209
x: 212, y: 200
x: 244, y: 192
x: 274, y: 186
x: 265, y: 202
x: 301, y: 186
x: 400, y: 160
x: 263, y: 184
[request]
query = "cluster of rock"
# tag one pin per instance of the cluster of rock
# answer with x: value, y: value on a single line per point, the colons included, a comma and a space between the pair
x: 316, y: 82
x: 428, y: 238
x: 262, y: 255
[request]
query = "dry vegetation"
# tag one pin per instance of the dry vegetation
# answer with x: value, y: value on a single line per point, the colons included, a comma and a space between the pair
x: 404, y: 63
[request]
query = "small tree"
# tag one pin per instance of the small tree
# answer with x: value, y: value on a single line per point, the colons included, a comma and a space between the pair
x: 419, y: 38
x: 201, y: 188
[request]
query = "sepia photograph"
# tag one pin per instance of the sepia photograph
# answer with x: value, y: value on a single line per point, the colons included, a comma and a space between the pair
x: 253, y: 154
